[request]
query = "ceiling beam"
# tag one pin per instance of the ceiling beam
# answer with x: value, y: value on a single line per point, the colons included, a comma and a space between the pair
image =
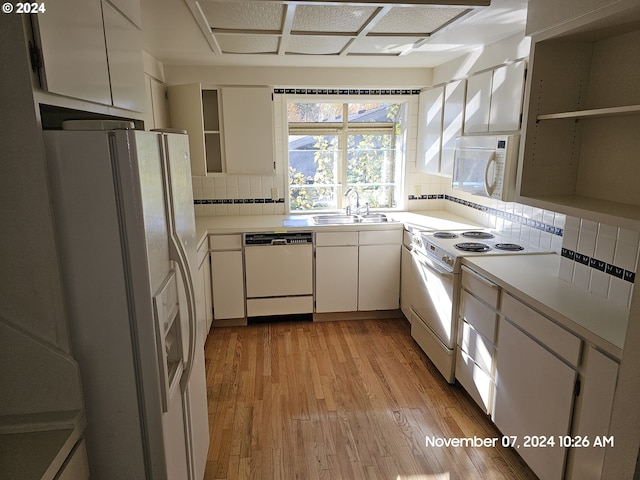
x: 287, y: 23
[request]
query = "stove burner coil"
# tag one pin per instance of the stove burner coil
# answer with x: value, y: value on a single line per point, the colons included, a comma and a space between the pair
x: 472, y: 247
x: 445, y: 235
x: 511, y: 247
x: 478, y: 235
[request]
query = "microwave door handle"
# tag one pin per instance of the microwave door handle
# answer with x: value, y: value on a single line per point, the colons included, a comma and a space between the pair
x: 489, y: 187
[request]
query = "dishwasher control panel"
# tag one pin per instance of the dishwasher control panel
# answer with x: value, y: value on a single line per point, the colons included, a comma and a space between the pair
x: 289, y: 238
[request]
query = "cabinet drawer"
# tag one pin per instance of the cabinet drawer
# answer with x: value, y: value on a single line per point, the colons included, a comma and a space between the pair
x: 482, y: 288
x: 477, y: 347
x: 477, y: 382
x: 380, y: 237
x: 559, y: 340
x: 330, y: 239
x: 477, y: 314
x: 225, y: 242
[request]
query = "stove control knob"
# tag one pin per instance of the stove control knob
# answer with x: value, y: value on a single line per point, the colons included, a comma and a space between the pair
x: 448, y: 260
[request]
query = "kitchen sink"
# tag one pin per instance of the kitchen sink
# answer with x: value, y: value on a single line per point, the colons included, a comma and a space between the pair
x: 374, y: 218
x: 331, y: 219
x: 341, y: 219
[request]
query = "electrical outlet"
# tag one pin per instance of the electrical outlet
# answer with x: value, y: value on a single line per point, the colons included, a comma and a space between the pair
x: 418, y: 190
x: 274, y: 194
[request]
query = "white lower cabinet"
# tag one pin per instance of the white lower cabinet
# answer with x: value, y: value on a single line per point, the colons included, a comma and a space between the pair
x: 227, y: 277
x: 533, y: 400
x: 379, y: 270
x: 204, y: 292
x: 477, y: 326
x: 337, y: 279
x: 357, y: 271
x: 593, y: 414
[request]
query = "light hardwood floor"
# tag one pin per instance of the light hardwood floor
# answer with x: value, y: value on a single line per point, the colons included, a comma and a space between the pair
x: 339, y: 400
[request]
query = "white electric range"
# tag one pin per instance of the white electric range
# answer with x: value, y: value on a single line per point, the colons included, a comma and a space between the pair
x: 435, y: 291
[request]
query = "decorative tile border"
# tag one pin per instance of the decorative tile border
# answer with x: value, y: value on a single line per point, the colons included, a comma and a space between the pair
x: 236, y: 201
x: 494, y: 211
x: 599, y: 265
x: 345, y: 91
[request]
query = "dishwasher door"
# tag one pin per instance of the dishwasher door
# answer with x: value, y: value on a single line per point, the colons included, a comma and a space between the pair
x: 278, y: 270
x: 278, y: 274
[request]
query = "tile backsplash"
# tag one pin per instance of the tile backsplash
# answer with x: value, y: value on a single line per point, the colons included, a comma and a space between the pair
x: 600, y: 258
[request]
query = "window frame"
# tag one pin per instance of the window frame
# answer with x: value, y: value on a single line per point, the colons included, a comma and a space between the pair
x: 343, y: 129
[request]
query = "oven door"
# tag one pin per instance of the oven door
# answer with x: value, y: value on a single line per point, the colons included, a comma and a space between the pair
x: 432, y: 297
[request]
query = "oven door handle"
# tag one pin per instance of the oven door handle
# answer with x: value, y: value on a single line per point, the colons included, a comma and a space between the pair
x: 435, y: 268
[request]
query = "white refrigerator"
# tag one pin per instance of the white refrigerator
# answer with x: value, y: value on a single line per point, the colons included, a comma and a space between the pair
x: 123, y: 208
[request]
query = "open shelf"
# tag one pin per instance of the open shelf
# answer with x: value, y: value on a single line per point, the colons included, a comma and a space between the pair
x: 602, y: 211
x: 581, y: 144
x: 593, y: 113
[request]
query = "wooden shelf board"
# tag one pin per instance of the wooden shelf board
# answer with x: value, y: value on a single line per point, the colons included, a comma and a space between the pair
x: 603, y: 211
x: 597, y: 112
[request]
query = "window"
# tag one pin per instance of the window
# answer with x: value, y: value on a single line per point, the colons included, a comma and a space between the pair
x: 337, y: 146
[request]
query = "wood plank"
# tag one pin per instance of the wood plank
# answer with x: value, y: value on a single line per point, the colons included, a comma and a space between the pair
x: 346, y: 399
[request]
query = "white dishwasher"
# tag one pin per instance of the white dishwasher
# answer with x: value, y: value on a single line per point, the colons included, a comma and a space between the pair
x: 278, y: 273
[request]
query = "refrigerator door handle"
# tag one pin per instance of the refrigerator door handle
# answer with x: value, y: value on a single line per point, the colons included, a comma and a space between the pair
x: 178, y: 254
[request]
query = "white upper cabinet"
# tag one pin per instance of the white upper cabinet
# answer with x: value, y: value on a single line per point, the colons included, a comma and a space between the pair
x: 73, y: 50
x: 230, y: 128
x: 507, y: 92
x: 430, y: 130
x: 186, y: 112
x: 581, y: 149
x: 247, y: 124
x: 478, y: 103
x: 131, y: 9
x: 494, y: 99
x: 90, y: 51
x: 453, y: 119
x: 124, y: 52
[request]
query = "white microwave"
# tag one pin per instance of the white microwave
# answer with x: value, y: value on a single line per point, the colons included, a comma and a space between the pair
x: 486, y: 165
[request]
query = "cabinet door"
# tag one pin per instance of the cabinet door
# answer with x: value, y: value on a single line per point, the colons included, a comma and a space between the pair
x: 478, y: 103
x: 73, y: 50
x: 126, y: 67
x: 158, y: 104
x: 247, y: 125
x: 507, y: 91
x: 131, y: 9
x: 207, y: 304
x: 534, y: 397
x: 185, y: 111
x: 379, y: 277
x: 336, y: 279
x: 453, y: 118
x: 227, y: 282
x: 598, y: 389
x: 430, y: 130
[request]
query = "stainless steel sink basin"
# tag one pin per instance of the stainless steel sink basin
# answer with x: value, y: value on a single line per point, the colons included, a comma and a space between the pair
x: 374, y: 218
x: 331, y: 219
x: 341, y: 219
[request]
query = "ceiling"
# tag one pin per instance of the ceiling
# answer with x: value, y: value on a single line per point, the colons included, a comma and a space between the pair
x: 399, y: 33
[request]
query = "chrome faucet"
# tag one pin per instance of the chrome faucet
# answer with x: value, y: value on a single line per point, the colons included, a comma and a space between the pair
x: 348, y: 208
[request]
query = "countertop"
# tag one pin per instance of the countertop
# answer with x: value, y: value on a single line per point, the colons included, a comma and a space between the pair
x: 427, y: 220
x: 534, y: 280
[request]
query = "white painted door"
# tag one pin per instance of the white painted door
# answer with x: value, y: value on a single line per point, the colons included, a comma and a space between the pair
x: 379, y: 277
x: 73, y: 50
x: 507, y: 91
x: 227, y: 281
x: 453, y: 118
x: 430, y: 130
x: 337, y: 279
x: 478, y: 103
x: 534, y: 399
